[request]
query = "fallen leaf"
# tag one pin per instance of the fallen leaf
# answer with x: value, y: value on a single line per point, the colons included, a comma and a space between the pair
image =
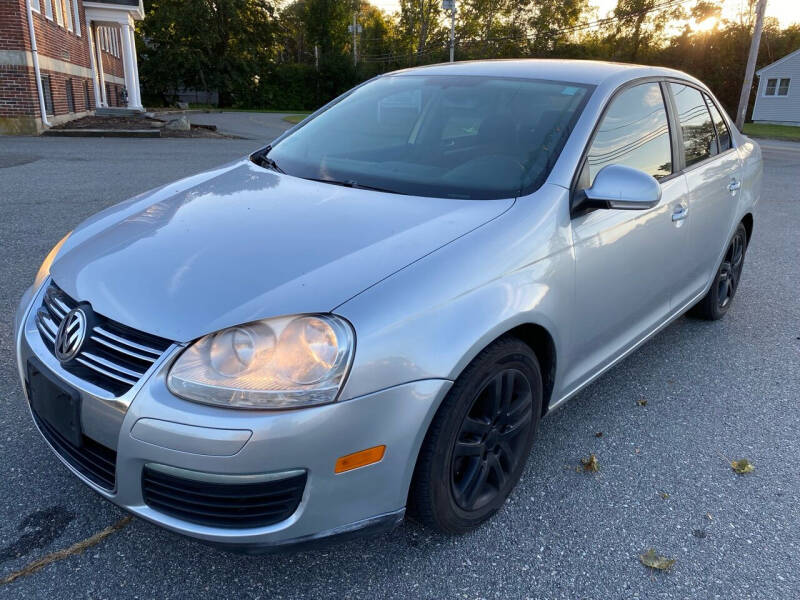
x: 641, y: 402
x: 709, y: 517
x: 655, y: 561
x: 590, y: 465
x: 598, y: 434
x: 742, y: 466
x: 664, y: 495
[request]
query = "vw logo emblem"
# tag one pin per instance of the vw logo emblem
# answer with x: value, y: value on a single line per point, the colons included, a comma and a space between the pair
x: 70, y: 335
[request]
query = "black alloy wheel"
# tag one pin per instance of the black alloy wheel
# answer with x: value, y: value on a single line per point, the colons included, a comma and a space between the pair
x: 480, y: 438
x: 492, y: 438
x: 731, y: 271
x: 718, y: 300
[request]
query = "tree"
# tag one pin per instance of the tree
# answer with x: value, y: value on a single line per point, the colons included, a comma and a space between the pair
x: 420, y: 26
x: 640, y: 25
x: 214, y: 45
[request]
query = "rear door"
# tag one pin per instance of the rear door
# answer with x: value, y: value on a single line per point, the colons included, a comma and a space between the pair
x: 712, y: 170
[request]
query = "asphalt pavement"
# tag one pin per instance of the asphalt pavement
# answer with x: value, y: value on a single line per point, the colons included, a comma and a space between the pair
x: 712, y: 390
x: 247, y: 125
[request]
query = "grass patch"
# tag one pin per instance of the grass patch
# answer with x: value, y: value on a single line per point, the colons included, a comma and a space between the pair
x: 295, y: 119
x: 776, y: 132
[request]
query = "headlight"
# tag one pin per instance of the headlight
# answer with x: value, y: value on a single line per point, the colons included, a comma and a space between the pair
x: 276, y: 363
x: 44, y: 270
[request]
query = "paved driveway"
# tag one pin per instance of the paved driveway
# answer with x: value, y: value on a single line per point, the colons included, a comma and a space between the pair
x: 728, y: 388
x: 248, y: 125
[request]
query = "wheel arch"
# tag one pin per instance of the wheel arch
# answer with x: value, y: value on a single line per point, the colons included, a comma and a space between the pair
x: 539, y: 339
x: 747, y: 221
x: 543, y: 346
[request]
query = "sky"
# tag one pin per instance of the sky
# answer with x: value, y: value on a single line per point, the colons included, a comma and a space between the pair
x: 786, y: 11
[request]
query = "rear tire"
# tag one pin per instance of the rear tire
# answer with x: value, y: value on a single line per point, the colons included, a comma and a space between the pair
x: 719, y: 298
x: 479, y: 441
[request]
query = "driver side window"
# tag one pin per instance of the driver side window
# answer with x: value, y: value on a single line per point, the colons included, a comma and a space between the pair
x: 634, y: 132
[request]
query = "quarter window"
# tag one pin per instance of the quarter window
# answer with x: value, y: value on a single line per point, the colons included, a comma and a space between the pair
x: 723, y: 134
x: 634, y: 132
x: 699, y: 137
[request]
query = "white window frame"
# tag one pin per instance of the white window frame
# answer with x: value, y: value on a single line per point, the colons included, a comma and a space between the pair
x: 68, y: 15
x: 76, y: 11
x: 48, y: 9
x: 788, y: 81
x: 59, y: 12
x: 35, y: 6
x: 774, y: 86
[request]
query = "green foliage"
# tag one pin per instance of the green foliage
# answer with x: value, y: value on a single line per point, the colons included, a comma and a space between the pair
x: 299, y: 53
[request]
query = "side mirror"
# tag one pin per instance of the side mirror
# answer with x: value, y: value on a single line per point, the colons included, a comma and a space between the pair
x: 621, y: 187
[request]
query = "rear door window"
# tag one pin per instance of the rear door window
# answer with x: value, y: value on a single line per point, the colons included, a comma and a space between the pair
x: 699, y: 137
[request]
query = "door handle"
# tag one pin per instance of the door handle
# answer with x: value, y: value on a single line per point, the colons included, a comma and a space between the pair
x: 734, y: 185
x: 680, y: 213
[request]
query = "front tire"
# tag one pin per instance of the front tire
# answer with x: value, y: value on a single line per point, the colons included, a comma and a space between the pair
x: 719, y: 298
x: 477, y: 446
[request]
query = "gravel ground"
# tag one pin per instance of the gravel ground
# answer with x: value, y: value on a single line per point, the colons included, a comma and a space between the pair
x: 712, y: 389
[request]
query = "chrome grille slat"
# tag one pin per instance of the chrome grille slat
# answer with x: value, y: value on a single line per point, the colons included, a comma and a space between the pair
x: 130, y: 343
x: 113, y: 356
x: 45, y: 319
x: 99, y: 369
x: 121, y: 350
x: 58, y: 307
x: 110, y: 365
x: 40, y: 325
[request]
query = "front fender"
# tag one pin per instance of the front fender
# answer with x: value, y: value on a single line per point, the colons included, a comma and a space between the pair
x: 429, y: 320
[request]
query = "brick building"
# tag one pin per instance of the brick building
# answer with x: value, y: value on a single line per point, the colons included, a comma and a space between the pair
x: 62, y: 59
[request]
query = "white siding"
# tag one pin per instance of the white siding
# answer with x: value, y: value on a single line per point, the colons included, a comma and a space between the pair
x: 779, y: 109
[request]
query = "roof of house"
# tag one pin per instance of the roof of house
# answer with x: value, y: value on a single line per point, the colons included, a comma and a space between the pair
x: 779, y: 61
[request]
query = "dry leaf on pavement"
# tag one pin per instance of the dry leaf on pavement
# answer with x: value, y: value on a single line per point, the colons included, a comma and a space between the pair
x: 655, y: 561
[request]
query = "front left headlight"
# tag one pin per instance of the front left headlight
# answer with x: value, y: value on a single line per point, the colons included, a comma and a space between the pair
x: 287, y: 362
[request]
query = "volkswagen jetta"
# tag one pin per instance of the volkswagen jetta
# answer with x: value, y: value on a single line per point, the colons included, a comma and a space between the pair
x: 376, y: 310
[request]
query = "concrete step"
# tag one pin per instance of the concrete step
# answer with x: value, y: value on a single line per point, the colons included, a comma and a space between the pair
x: 118, y: 112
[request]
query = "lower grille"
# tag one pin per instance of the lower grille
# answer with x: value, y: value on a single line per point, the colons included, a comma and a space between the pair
x: 94, y: 461
x: 236, y: 505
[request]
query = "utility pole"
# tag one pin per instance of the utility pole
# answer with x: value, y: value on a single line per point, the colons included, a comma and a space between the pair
x: 744, y: 98
x: 355, y: 29
x: 450, y: 6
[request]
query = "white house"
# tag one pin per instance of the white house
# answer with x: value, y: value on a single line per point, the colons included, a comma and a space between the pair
x: 778, y: 96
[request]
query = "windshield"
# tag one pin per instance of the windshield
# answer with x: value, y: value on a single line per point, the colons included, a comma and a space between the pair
x: 442, y: 136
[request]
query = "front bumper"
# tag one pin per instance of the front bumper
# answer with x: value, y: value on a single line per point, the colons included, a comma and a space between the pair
x: 149, y: 425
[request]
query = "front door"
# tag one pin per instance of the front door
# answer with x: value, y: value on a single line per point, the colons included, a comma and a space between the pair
x: 628, y: 262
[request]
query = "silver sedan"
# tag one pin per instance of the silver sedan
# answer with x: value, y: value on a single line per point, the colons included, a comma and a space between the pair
x: 375, y: 311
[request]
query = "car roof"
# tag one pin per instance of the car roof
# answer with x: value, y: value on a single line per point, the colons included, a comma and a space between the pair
x: 592, y: 72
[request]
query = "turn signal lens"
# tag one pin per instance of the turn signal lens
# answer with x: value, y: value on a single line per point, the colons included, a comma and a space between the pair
x: 359, y: 459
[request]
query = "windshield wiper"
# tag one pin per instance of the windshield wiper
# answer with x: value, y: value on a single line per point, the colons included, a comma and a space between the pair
x: 262, y: 160
x: 351, y: 183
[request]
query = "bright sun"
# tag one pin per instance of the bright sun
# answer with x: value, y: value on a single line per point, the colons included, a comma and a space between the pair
x: 706, y: 24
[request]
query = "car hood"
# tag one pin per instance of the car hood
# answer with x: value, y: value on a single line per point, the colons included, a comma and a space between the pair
x: 243, y: 243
